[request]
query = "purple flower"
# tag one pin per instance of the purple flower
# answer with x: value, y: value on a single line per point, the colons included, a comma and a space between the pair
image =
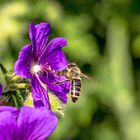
x: 27, y: 124
x: 0, y: 90
x: 38, y: 62
x: 10, y: 109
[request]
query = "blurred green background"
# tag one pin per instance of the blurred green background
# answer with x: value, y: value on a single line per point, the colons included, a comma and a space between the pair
x: 104, y: 40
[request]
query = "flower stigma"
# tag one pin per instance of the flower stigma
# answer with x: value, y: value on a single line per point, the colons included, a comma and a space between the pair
x: 36, y: 69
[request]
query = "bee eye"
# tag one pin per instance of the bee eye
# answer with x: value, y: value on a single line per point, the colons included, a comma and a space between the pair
x: 69, y: 65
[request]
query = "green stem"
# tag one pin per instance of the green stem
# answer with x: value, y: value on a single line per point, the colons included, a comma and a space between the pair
x: 15, y: 101
x: 20, y: 97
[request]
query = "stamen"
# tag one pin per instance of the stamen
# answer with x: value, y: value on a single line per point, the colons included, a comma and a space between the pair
x: 35, y: 69
x: 46, y: 68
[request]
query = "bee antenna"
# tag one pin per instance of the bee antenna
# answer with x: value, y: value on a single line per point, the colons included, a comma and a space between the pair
x: 74, y: 62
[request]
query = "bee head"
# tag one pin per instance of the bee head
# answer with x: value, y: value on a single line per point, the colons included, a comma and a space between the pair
x: 70, y: 65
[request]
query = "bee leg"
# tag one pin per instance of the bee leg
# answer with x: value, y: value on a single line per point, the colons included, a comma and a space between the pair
x: 58, y: 73
x: 59, y: 82
x: 85, y: 76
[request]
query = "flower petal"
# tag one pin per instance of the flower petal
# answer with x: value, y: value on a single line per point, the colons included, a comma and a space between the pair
x: 11, y: 109
x: 53, y: 54
x: 0, y: 89
x: 60, y: 90
x: 36, y: 124
x: 39, y: 36
x: 8, y: 126
x: 32, y: 34
x: 40, y: 94
x: 23, y: 64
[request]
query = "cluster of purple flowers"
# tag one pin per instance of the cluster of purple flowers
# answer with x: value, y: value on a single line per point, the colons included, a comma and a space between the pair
x: 37, y: 62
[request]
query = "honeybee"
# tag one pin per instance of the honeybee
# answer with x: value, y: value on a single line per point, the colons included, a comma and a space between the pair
x: 74, y: 75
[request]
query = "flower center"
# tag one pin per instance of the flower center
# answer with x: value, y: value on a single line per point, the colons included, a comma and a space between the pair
x: 35, y: 69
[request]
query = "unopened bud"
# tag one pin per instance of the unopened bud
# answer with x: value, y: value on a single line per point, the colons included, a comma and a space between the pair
x: 20, y: 86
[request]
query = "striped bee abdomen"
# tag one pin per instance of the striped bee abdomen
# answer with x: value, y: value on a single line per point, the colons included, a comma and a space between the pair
x: 75, y: 89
